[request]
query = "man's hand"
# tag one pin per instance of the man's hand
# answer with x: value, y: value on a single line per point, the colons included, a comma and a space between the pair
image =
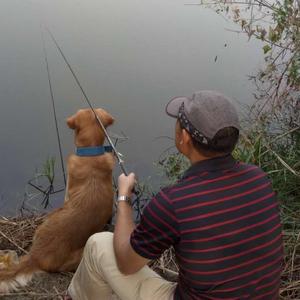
x: 126, y: 184
x: 128, y: 260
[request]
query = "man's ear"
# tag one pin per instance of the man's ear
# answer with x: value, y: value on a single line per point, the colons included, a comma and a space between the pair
x: 71, y: 122
x: 186, y: 138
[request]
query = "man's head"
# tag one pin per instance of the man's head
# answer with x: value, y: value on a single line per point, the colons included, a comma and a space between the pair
x: 208, y: 122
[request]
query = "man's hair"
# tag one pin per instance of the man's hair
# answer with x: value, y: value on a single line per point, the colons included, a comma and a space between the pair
x: 224, y: 142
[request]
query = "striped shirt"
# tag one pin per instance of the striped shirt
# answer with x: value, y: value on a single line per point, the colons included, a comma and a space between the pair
x: 222, y: 218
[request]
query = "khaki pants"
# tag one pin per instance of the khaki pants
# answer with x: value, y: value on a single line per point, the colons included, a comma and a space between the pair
x: 98, y: 276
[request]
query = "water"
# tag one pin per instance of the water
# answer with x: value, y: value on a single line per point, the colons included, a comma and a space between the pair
x: 131, y: 56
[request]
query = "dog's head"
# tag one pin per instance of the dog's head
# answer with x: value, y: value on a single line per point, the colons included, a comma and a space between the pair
x: 87, y: 130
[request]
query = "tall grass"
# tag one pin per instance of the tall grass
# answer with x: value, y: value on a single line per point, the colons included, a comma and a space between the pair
x: 275, y: 147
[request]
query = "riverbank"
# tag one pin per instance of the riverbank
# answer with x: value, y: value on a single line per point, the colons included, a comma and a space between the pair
x: 16, y: 234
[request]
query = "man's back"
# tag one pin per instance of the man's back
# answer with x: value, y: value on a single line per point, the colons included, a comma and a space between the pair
x: 223, y: 220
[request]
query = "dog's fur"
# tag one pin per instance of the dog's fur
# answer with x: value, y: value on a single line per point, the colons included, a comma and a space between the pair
x: 59, y: 241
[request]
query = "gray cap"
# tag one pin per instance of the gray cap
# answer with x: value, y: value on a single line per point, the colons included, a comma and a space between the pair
x: 204, y: 114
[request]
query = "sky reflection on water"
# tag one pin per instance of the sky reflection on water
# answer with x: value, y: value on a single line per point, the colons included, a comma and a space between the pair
x: 131, y: 57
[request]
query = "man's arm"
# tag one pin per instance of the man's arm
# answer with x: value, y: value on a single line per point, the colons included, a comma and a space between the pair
x: 128, y: 261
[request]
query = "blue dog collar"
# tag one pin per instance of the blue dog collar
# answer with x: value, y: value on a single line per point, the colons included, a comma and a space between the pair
x: 93, y: 151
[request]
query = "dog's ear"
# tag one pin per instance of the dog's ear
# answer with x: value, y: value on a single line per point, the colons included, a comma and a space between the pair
x: 71, y: 122
x: 105, y: 117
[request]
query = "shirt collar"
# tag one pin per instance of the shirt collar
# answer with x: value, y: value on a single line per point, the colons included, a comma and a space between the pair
x: 213, y: 164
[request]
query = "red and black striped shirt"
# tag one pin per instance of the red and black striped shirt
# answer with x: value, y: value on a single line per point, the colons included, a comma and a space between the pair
x: 223, y: 220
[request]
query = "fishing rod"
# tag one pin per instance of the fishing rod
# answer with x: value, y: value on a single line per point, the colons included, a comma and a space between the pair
x: 54, y: 110
x: 137, y: 189
x: 117, y: 154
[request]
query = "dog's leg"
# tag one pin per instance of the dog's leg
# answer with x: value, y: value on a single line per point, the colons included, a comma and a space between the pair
x: 72, y: 263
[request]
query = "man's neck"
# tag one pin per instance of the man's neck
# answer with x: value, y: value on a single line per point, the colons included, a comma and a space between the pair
x: 196, y: 157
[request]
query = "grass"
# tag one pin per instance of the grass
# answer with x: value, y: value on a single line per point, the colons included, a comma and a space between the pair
x: 278, y: 154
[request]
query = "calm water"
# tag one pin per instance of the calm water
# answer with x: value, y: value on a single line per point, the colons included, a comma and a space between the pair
x: 131, y: 56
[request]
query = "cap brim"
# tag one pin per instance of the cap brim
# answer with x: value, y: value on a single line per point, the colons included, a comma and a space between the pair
x: 172, y: 108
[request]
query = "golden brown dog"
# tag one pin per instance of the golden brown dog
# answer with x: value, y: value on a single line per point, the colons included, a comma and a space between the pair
x: 59, y: 241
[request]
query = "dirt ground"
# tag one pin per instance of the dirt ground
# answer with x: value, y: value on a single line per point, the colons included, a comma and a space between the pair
x: 43, y: 286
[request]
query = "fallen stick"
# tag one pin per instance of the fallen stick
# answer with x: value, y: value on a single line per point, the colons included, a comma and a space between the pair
x: 13, y: 242
x: 4, y: 220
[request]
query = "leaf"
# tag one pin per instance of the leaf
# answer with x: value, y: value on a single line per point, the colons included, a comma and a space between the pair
x: 273, y: 35
x: 236, y: 13
x: 250, y: 33
x: 263, y: 34
x: 243, y: 22
x: 266, y: 48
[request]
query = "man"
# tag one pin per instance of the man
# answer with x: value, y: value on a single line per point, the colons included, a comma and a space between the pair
x: 222, y: 219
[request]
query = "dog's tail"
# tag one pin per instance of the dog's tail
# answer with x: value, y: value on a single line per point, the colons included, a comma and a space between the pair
x: 17, y: 275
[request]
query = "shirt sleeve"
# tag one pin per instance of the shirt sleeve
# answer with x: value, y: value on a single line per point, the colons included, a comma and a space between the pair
x: 158, y: 228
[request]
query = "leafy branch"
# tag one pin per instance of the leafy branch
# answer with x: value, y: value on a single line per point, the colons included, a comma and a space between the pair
x: 277, y: 25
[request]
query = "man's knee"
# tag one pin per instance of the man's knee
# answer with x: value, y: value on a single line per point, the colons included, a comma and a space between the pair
x: 99, y: 244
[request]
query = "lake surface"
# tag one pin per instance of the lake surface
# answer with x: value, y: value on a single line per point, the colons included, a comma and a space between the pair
x: 131, y: 57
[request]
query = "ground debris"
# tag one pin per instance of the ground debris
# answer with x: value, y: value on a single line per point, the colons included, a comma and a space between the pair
x: 16, y: 234
x: 43, y: 286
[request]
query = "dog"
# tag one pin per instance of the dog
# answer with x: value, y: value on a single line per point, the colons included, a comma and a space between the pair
x: 59, y: 241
